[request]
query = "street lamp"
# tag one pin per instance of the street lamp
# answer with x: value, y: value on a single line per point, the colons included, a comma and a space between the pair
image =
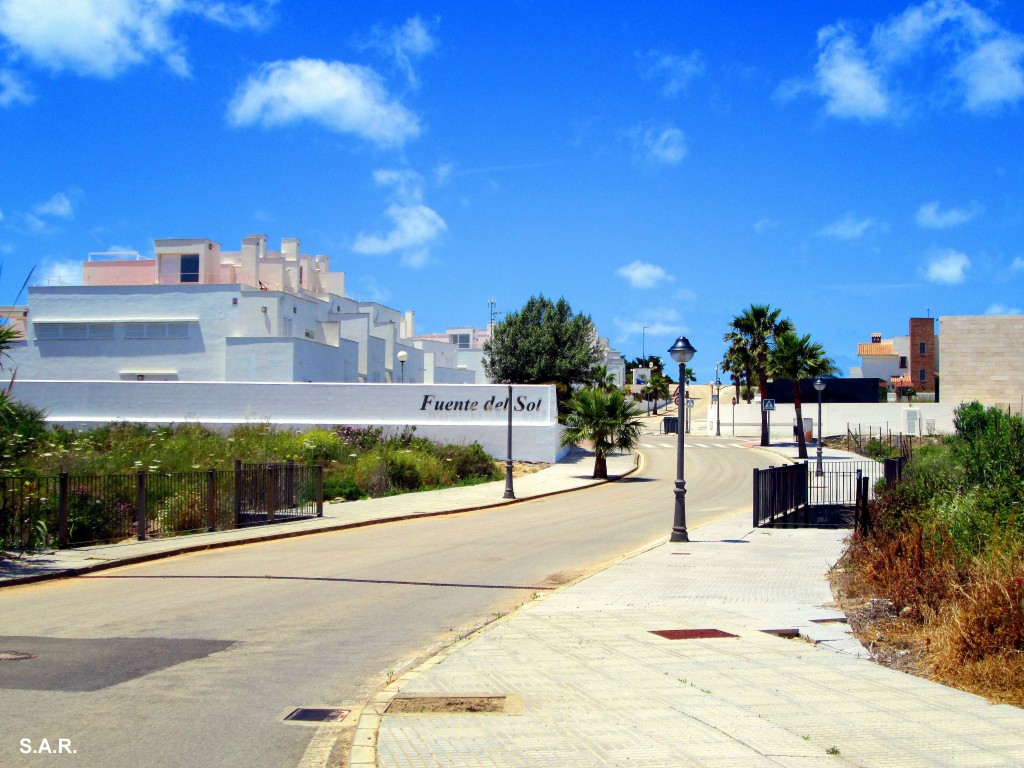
x: 819, y: 385
x: 718, y: 404
x: 402, y: 357
x: 682, y: 352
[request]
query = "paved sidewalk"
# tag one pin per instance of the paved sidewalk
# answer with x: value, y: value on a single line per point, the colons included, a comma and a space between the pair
x: 573, y: 472
x: 591, y: 686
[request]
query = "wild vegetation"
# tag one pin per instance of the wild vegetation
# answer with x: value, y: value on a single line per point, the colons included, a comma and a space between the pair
x: 945, y: 558
x: 358, y: 462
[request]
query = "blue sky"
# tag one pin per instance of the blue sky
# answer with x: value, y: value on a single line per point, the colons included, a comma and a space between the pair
x: 660, y: 164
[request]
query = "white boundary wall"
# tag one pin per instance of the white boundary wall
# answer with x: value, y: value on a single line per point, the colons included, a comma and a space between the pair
x: 455, y: 413
x: 836, y: 417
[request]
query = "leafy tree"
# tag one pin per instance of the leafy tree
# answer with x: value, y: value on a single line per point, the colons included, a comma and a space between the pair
x: 609, y: 421
x: 543, y: 343
x: 653, y: 362
x: 755, y: 331
x: 796, y: 357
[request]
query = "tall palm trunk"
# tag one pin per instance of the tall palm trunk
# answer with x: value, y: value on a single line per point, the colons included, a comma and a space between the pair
x: 801, y: 438
x: 762, y: 385
x: 600, y: 466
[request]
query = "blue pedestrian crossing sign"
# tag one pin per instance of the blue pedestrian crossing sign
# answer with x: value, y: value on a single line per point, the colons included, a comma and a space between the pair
x: 768, y: 405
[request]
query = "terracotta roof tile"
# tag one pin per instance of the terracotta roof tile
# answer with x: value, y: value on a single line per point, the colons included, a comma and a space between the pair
x: 875, y: 350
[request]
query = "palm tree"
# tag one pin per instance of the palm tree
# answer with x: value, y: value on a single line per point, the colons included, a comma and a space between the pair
x: 657, y: 388
x: 601, y: 378
x: 609, y: 421
x: 755, y: 331
x: 738, y: 363
x: 797, y: 357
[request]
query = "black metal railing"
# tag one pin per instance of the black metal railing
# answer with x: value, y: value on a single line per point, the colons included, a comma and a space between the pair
x: 75, y: 510
x: 796, y: 495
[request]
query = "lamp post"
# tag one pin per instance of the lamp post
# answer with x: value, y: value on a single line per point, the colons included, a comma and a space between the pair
x: 509, y: 490
x: 402, y: 357
x: 682, y: 352
x: 718, y: 404
x: 819, y: 385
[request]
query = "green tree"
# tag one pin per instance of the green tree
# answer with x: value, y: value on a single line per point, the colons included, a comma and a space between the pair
x: 600, y: 378
x: 755, y: 331
x: 738, y: 364
x: 796, y: 357
x: 657, y: 389
x: 609, y: 421
x: 543, y: 343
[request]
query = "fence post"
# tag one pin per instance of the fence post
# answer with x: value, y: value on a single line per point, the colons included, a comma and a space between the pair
x: 63, y: 528
x: 238, y: 492
x: 211, y: 500
x: 140, y: 505
x: 319, y: 490
x: 271, y: 489
x: 757, y: 500
x: 289, y: 484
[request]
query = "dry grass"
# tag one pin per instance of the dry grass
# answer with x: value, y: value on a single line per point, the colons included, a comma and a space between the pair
x: 918, y: 612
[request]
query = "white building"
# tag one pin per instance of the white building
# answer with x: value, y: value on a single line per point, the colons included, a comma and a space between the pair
x: 197, y: 313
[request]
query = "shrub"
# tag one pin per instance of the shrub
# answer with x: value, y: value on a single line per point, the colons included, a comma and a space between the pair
x: 181, y: 511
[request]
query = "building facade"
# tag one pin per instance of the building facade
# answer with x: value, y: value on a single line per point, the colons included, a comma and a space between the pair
x: 984, y: 360
x: 197, y: 313
x: 903, y: 362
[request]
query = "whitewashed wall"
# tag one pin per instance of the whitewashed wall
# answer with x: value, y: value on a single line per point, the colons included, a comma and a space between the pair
x: 451, y: 413
x: 835, y: 418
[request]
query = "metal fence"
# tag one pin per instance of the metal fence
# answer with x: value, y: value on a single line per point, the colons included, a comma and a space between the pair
x: 79, y: 509
x: 796, y: 495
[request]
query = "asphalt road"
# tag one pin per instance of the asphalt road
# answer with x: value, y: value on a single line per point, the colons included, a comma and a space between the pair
x: 196, y: 660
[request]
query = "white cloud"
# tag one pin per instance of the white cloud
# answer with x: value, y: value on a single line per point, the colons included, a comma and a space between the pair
x: 640, y: 274
x: 1002, y: 309
x: 665, y: 146
x: 341, y: 97
x: 13, y: 89
x: 992, y: 74
x: 103, y: 38
x: 930, y: 216
x: 677, y: 71
x: 764, y: 224
x: 414, y: 225
x: 949, y: 268
x: 848, y: 228
x: 58, y: 206
x: 965, y: 48
x: 411, y: 40
x: 654, y: 322
x: 850, y: 85
x: 1017, y: 265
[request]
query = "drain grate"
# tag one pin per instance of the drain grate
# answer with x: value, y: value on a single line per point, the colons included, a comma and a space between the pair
x: 417, y: 705
x: 313, y: 715
x: 690, y: 634
x: 16, y: 656
x: 789, y: 633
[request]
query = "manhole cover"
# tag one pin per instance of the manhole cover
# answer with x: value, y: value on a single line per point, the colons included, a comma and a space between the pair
x: 413, y: 705
x: 311, y: 715
x: 16, y: 656
x: 690, y: 634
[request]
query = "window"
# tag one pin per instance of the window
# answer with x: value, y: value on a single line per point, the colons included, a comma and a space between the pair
x: 922, y: 348
x: 461, y: 339
x: 189, y: 268
x: 922, y: 375
x: 903, y: 362
x: 73, y: 331
x: 173, y: 330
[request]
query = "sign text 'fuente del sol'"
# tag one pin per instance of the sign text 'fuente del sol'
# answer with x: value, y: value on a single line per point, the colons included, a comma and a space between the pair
x: 494, y: 403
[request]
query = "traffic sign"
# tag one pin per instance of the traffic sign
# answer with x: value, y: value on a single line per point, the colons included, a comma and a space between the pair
x: 768, y: 405
x: 689, y: 403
